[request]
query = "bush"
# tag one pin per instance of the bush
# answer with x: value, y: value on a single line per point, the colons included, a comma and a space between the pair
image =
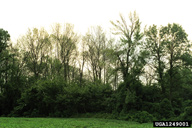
x: 138, y: 116
x: 166, y: 110
x: 187, y: 115
x: 187, y: 103
x: 55, y: 99
x: 143, y: 117
x: 124, y: 116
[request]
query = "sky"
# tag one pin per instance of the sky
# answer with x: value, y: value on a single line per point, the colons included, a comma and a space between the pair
x: 16, y: 16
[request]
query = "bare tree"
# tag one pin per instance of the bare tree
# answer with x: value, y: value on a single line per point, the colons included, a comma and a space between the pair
x: 35, y: 44
x: 95, y: 40
x: 65, y: 45
x: 126, y: 50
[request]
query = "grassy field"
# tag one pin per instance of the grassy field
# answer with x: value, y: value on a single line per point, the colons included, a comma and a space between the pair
x: 68, y: 123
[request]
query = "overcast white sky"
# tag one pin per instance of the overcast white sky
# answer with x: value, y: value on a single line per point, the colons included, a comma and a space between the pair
x: 16, y: 16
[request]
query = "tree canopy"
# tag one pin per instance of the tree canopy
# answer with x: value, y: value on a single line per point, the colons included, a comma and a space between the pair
x: 132, y: 74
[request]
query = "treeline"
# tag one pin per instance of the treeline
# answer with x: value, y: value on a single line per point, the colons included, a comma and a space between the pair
x: 139, y: 75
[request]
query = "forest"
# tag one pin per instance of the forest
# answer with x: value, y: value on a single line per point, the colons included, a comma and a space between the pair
x: 131, y: 73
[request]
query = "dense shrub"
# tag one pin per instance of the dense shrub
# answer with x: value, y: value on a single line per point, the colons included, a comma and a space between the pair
x: 29, y: 103
x: 1, y: 105
x: 187, y: 115
x: 187, y: 103
x: 138, y: 116
x: 143, y: 117
x: 56, y: 99
x: 166, y: 110
x: 148, y: 94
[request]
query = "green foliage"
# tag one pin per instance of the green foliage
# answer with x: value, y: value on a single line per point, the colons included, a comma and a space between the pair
x: 187, y: 103
x: 138, y: 116
x: 49, y: 76
x: 166, y: 109
x: 1, y: 106
x: 143, y: 117
x: 130, y: 98
x: 56, y: 99
x: 4, y: 38
x: 43, y: 94
x: 187, y: 59
x: 35, y: 45
x: 187, y: 115
x: 149, y: 95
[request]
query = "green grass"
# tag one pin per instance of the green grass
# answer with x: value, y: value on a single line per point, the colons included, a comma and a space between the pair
x: 69, y: 123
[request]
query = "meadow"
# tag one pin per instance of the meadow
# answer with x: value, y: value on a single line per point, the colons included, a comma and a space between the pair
x: 68, y: 123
